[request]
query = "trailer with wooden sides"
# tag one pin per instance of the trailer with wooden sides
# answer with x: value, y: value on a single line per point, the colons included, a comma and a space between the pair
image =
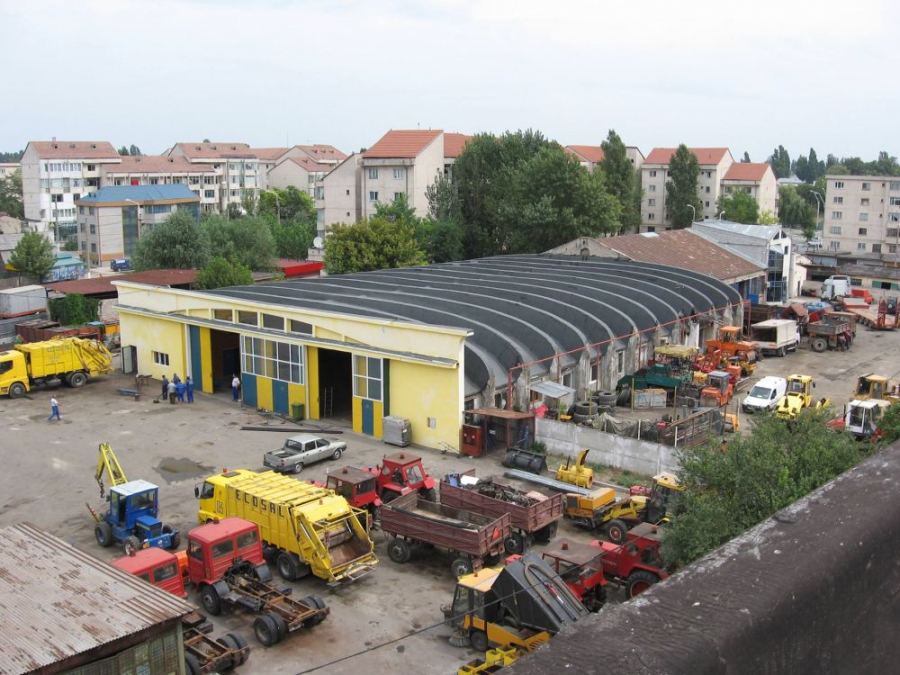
x: 473, y: 539
x: 532, y: 515
x: 824, y: 334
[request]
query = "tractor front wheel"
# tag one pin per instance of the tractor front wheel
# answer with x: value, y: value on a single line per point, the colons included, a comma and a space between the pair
x: 638, y: 582
x: 131, y: 545
x: 103, y: 533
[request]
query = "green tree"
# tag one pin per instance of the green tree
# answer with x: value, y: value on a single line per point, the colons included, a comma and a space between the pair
x: 802, y: 170
x: 885, y: 165
x: 33, y: 255
x: 135, y: 151
x: 622, y: 182
x: 795, y: 211
x: 372, y: 244
x: 739, y: 207
x: 247, y: 240
x: 838, y: 170
x: 11, y: 195
x: 293, y: 238
x: 682, y: 188
x: 178, y: 242
x: 746, y: 158
x: 728, y: 491
x: 441, y: 240
x: 889, y: 426
x: 816, y: 166
x: 234, y: 211
x: 220, y: 272
x: 443, y: 200
x: 397, y: 211
x: 74, y: 309
x: 781, y: 162
x: 289, y: 204
x: 767, y: 218
x: 11, y: 156
x: 123, y: 151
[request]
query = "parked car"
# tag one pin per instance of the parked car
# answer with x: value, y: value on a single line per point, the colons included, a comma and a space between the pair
x: 303, y: 449
x: 120, y: 265
x: 765, y: 394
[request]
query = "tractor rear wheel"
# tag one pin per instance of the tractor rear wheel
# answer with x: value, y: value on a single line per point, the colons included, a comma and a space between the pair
x: 638, y: 582
x: 461, y: 567
x: 191, y: 665
x: 514, y: 543
x: 479, y: 640
x: 287, y: 566
x: 103, y: 533
x: 212, y: 603
x: 617, y: 531
x: 130, y: 544
x: 265, y: 630
x: 398, y: 551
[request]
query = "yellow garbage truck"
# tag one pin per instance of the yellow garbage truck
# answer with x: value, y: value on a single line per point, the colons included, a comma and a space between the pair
x: 50, y: 363
x: 305, y: 528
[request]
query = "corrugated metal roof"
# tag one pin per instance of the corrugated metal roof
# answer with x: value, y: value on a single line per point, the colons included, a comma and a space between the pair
x: 104, y: 286
x: 139, y: 193
x: 552, y: 389
x: 57, y: 602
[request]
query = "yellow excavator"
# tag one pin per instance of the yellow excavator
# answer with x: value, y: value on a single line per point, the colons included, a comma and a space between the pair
x: 109, y: 463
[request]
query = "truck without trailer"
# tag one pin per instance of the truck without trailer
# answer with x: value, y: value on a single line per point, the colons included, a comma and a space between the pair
x: 835, y: 287
x: 202, y: 654
x: 472, y: 538
x: 305, y: 528
x: 776, y: 336
x: 532, y: 515
x: 51, y: 363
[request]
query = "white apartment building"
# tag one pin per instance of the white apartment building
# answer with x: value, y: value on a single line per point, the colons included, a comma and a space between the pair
x: 57, y: 173
x: 401, y: 162
x: 234, y: 164
x: 112, y: 220
x: 756, y: 179
x: 453, y: 146
x: 589, y: 156
x: 201, y: 179
x: 302, y: 173
x: 7, y: 169
x: 339, y: 195
x: 862, y: 214
x: 714, y: 165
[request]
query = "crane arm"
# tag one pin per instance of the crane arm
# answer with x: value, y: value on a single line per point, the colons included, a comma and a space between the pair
x: 108, y: 462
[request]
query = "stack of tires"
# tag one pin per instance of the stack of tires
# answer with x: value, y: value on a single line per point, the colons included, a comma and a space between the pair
x: 606, y: 401
x: 585, y: 412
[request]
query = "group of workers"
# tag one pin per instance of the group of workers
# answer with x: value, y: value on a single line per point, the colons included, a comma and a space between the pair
x: 176, y: 389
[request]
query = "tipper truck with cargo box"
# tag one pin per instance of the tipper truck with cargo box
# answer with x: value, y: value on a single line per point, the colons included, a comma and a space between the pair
x: 69, y: 360
x: 533, y: 516
x: 471, y: 538
x: 305, y: 528
x: 776, y: 336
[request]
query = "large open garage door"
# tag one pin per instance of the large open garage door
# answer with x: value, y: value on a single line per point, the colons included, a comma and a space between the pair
x: 225, y: 358
x: 335, y: 384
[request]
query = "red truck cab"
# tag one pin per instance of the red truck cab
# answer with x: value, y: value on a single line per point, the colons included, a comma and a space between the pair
x: 156, y: 566
x: 214, y: 548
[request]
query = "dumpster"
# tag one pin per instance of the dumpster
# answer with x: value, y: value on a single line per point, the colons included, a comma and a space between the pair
x: 298, y: 411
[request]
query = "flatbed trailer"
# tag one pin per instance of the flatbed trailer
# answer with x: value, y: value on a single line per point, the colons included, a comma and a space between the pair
x: 472, y: 538
x: 203, y: 654
x: 531, y: 518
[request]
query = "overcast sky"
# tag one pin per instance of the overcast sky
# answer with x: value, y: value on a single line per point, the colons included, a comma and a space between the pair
x: 748, y: 76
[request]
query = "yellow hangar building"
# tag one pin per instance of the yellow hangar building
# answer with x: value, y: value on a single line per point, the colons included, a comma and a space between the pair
x: 424, y: 343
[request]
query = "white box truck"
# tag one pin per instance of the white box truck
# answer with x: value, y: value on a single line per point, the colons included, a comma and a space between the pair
x: 835, y: 287
x: 775, y: 336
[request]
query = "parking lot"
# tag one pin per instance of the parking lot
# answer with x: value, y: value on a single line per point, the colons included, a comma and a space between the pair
x: 48, y: 477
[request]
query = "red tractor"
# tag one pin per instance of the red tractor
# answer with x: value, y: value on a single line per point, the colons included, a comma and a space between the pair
x: 400, y: 474
x: 580, y: 566
x: 358, y: 486
x: 636, y: 565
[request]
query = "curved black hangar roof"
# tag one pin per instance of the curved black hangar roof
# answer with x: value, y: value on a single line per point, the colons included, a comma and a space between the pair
x: 521, y: 308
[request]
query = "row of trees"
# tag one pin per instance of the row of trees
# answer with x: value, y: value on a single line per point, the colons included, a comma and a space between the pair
x: 226, y: 248
x: 809, y: 168
x: 514, y: 193
x: 132, y: 151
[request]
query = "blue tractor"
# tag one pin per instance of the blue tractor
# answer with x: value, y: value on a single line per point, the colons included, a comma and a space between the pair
x: 133, y: 509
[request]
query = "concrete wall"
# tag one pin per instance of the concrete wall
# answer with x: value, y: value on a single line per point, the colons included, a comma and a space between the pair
x: 812, y: 590
x: 627, y: 454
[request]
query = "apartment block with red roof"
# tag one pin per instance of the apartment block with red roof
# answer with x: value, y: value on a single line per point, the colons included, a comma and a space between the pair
x: 454, y: 144
x: 298, y: 171
x: 401, y: 162
x: 235, y: 164
x: 756, y: 179
x: 714, y: 164
x: 269, y: 158
x: 201, y: 179
x: 589, y: 156
x: 54, y: 175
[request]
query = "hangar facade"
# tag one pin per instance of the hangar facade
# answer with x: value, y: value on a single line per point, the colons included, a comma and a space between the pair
x: 424, y: 342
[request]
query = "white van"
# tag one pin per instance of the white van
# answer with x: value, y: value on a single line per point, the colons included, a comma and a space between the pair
x: 765, y: 394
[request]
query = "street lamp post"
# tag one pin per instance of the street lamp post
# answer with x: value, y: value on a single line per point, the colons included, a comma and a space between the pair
x: 693, y: 213
x: 819, y: 200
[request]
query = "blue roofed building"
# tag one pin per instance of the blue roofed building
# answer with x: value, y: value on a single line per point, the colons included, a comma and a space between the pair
x: 112, y: 220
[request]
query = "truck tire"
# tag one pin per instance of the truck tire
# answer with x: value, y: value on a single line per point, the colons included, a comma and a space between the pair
x: 638, y: 582
x: 479, y: 640
x: 238, y: 643
x: 287, y: 566
x: 819, y: 344
x: 461, y: 567
x: 211, y: 601
x: 586, y: 408
x: 780, y: 352
x: 103, y: 534
x: 606, y: 398
x: 227, y: 663
x: 191, y: 665
x: 77, y: 380
x: 617, y: 531
x: 398, y: 551
x: 265, y: 630
x: 16, y: 390
x: 514, y: 543
x: 318, y: 603
x: 280, y: 625
x: 130, y: 544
